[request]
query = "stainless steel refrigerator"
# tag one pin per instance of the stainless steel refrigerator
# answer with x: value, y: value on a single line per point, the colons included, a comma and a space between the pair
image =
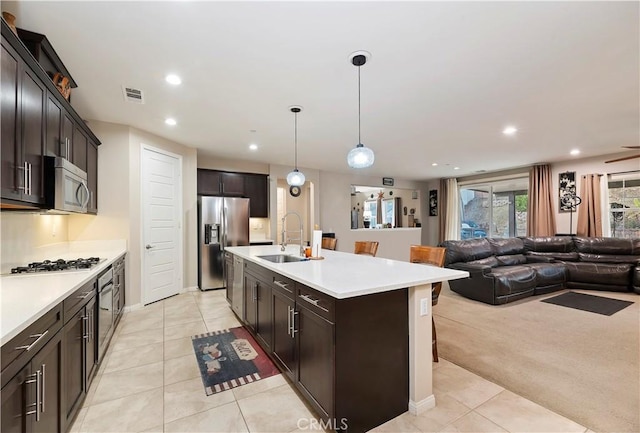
x: 222, y: 222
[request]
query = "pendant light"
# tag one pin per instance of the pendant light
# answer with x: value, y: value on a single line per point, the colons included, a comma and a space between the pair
x: 361, y: 156
x: 295, y: 178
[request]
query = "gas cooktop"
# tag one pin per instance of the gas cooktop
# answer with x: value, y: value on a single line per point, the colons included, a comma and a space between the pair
x: 57, y: 265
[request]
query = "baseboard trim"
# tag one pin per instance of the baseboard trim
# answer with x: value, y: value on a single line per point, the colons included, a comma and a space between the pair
x: 133, y: 307
x: 417, y: 408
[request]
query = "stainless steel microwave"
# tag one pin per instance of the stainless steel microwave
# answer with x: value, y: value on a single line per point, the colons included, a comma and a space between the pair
x: 66, y: 187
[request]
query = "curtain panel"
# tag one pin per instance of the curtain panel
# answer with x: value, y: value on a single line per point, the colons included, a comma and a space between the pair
x: 541, y: 218
x: 449, y: 216
x: 590, y: 210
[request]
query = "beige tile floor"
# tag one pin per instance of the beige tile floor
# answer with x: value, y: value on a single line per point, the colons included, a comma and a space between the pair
x: 149, y: 382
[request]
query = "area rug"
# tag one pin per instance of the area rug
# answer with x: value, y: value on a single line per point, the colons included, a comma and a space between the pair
x: 583, y: 366
x: 591, y: 303
x: 230, y: 358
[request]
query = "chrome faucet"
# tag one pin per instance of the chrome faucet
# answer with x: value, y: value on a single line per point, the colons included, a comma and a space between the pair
x: 283, y: 245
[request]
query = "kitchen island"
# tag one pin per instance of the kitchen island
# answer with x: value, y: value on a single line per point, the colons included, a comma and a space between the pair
x: 348, y: 330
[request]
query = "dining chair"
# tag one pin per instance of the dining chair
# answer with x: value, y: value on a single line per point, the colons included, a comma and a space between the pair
x: 434, y: 256
x: 369, y: 248
x: 329, y: 243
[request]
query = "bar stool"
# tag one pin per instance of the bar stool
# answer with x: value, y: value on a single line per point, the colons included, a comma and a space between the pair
x: 369, y: 248
x: 434, y: 256
x: 329, y: 243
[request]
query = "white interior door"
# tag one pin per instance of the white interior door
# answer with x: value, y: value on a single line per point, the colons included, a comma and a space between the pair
x: 161, y: 201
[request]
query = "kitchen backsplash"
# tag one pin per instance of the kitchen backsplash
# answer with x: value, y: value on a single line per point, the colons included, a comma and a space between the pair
x: 258, y: 229
x: 23, y: 233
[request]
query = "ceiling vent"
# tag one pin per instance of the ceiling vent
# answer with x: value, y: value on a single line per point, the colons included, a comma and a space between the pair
x: 133, y: 95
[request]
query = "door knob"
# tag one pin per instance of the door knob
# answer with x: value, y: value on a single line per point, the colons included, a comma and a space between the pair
x: 149, y: 247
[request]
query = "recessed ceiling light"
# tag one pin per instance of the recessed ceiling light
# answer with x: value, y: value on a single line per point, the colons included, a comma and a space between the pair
x: 509, y: 130
x: 434, y: 164
x: 170, y: 121
x: 253, y: 146
x: 575, y: 152
x: 173, y: 79
x: 456, y: 168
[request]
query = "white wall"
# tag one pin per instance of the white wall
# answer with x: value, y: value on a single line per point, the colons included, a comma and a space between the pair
x: 585, y: 166
x: 215, y: 163
x: 335, y: 207
x: 119, y: 200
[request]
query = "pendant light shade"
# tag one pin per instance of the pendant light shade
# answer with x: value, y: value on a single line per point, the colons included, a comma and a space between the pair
x: 361, y: 156
x: 296, y: 177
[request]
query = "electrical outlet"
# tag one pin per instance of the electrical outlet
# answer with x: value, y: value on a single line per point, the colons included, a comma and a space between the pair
x: 424, y: 306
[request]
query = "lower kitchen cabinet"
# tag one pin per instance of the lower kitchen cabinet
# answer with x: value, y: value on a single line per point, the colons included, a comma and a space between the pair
x: 74, y: 365
x: 284, y: 343
x: 228, y: 276
x: 31, y: 399
x: 91, y: 349
x: 348, y: 357
x: 316, y: 363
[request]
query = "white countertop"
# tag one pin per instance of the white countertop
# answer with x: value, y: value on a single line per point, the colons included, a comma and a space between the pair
x: 345, y: 275
x: 24, y: 298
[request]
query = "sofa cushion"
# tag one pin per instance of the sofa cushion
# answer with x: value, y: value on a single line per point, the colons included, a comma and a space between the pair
x: 509, y: 280
x: 549, y: 274
x: 548, y: 244
x: 565, y: 257
x: 506, y: 246
x: 487, y: 261
x: 467, y: 250
x: 609, y: 258
x: 600, y: 273
x: 608, y: 246
x: 512, y: 259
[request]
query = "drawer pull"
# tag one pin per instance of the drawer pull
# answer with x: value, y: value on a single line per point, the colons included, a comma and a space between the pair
x: 85, y: 295
x: 282, y: 285
x: 38, y: 337
x: 315, y: 302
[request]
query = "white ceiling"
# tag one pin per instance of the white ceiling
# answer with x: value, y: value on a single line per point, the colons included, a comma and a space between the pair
x: 445, y: 77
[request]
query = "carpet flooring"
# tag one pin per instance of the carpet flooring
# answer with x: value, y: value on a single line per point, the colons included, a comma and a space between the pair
x: 581, y: 365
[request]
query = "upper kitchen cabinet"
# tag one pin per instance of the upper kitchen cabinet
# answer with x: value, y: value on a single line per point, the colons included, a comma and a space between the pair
x: 255, y: 187
x: 37, y: 120
x: 208, y: 182
x: 23, y: 101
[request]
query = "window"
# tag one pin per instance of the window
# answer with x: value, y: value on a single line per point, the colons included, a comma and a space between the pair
x: 494, y: 209
x: 370, y: 213
x: 624, y: 204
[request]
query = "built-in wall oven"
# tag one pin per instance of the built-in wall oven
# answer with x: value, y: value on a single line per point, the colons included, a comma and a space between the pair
x: 105, y: 310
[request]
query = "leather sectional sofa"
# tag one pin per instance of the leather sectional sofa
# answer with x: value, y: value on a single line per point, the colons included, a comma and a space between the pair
x: 507, y: 269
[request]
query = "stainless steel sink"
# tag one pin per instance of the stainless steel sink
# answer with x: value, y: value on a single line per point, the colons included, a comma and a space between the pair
x: 282, y: 258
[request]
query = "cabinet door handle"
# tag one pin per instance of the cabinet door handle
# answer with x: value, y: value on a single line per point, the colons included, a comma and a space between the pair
x: 294, y: 313
x: 85, y: 295
x: 289, y: 321
x: 36, y: 411
x: 38, y: 337
x: 43, y: 380
x: 315, y: 302
x: 85, y: 327
x: 282, y: 285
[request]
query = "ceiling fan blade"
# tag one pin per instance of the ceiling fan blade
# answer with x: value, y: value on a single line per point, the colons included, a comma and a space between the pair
x: 622, y: 159
x: 631, y: 147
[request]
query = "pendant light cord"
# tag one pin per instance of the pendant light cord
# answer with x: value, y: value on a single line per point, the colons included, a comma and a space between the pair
x: 295, y: 135
x: 359, y: 139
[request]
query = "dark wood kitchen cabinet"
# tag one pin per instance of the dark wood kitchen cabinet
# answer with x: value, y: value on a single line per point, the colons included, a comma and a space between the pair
x: 284, y: 343
x: 228, y: 276
x: 92, y: 176
x: 119, y: 285
x: 79, y: 347
x: 349, y: 357
x: 255, y: 187
x: 36, y: 121
x: 258, y: 303
x: 31, y: 399
x: 23, y: 104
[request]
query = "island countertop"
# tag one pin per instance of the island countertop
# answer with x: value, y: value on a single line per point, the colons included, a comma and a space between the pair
x: 345, y: 275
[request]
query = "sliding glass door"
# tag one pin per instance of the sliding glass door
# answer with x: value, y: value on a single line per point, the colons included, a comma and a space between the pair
x: 494, y: 209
